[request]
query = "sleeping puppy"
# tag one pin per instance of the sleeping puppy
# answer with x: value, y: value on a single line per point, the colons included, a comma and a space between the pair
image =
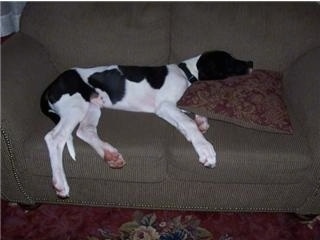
x: 78, y: 95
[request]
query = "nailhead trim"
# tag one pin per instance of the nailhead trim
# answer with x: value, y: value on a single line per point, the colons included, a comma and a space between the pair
x: 166, y: 207
x: 12, y: 161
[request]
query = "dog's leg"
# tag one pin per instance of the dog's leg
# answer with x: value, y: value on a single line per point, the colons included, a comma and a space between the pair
x: 56, y: 140
x: 87, y: 131
x: 169, y: 112
x: 71, y: 110
x: 202, y: 123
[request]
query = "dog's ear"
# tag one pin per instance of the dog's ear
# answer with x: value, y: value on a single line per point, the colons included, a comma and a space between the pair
x: 216, y: 65
x: 213, y: 65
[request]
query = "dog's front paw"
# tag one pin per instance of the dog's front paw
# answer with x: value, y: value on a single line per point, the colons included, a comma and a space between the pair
x: 207, y: 154
x: 114, y: 159
x: 61, y: 186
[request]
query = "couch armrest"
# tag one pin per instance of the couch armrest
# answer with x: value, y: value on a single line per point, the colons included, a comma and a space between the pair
x: 302, y: 85
x: 26, y: 70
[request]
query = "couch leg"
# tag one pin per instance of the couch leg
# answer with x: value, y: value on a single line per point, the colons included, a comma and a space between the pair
x: 310, y: 220
x: 29, y: 207
x: 306, y: 217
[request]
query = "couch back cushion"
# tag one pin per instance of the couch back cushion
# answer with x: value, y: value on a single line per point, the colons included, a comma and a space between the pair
x: 91, y: 33
x: 271, y: 34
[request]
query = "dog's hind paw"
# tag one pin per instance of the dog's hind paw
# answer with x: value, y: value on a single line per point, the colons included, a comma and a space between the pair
x: 114, y: 159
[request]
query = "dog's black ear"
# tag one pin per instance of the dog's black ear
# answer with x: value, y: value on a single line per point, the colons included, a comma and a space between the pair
x: 213, y: 65
x: 216, y: 65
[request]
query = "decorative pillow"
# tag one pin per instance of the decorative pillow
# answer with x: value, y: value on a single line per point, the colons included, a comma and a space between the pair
x: 252, y: 101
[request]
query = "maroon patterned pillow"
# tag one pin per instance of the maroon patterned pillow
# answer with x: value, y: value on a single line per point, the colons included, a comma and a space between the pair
x: 253, y: 101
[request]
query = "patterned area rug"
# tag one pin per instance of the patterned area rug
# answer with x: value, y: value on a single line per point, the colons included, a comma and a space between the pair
x: 95, y: 223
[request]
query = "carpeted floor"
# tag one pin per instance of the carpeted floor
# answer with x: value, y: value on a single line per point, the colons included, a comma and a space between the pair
x: 95, y: 223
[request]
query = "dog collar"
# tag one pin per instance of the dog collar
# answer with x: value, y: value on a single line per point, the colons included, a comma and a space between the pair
x: 190, y: 76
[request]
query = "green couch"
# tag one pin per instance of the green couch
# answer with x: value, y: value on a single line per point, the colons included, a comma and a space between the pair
x: 256, y: 170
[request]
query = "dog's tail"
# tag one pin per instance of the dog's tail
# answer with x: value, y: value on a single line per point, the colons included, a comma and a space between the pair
x: 70, y: 147
x: 47, y: 110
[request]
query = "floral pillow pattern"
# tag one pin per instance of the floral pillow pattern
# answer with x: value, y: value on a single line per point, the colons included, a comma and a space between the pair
x: 253, y: 101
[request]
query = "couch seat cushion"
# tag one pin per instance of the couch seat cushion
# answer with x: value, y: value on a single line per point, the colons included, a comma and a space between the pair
x: 243, y: 156
x: 140, y: 138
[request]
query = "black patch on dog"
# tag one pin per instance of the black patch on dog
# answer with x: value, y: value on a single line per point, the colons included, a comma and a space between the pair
x: 155, y: 76
x: 217, y: 65
x: 110, y: 81
x: 69, y: 82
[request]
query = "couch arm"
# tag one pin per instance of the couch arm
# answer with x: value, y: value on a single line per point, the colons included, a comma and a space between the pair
x: 302, y: 85
x: 26, y: 70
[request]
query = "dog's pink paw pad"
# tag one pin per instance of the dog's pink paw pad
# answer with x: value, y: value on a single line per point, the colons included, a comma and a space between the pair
x: 114, y: 159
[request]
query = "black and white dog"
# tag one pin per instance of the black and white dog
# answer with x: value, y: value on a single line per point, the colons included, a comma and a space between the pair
x: 77, y: 96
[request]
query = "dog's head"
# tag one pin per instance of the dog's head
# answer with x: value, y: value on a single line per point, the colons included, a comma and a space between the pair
x: 217, y: 65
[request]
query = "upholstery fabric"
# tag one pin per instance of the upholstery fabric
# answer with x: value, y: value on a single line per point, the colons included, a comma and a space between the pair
x: 244, y: 156
x: 104, y: 34
x: 302, y: 82
x: 24, y: 74
x: 273, y: 33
